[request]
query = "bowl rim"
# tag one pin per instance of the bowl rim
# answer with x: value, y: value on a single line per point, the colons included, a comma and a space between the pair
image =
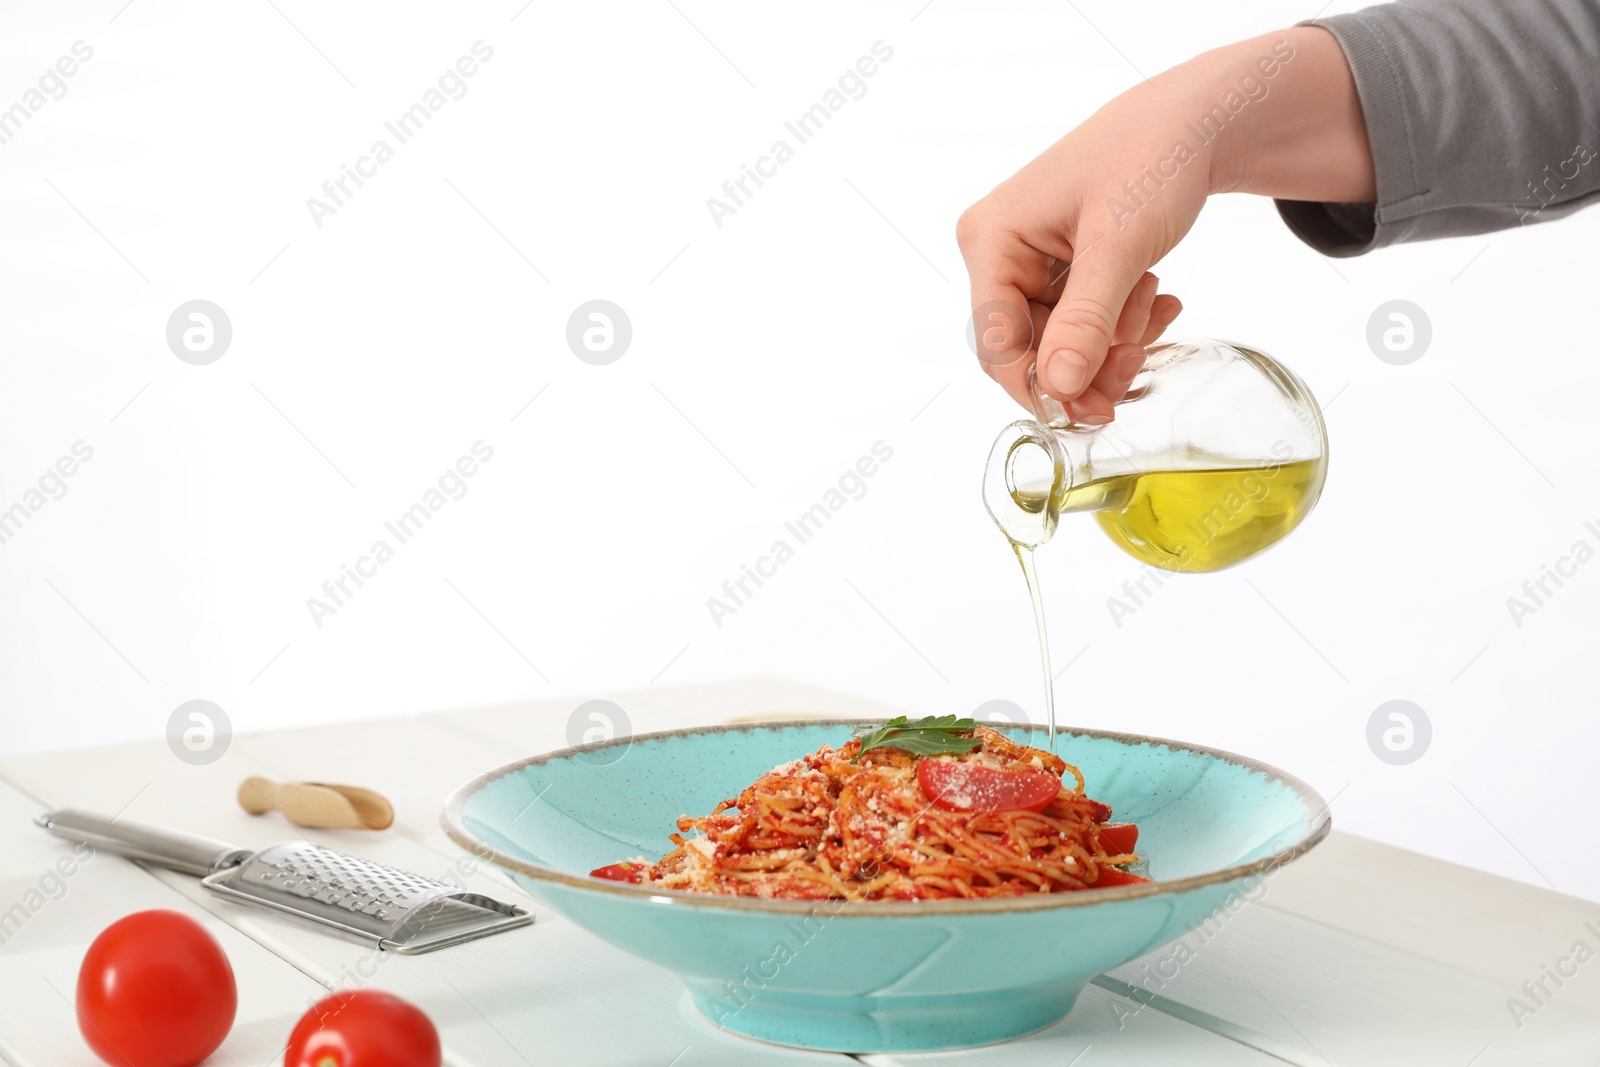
x: 453, y: 821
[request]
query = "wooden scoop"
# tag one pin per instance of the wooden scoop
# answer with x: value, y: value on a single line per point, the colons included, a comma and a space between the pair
x: 317, y: 805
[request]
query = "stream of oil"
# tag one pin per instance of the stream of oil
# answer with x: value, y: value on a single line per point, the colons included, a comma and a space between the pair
x: 1031, y: 574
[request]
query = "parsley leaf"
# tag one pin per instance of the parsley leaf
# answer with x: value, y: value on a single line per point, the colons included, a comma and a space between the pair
x: 934, y: 735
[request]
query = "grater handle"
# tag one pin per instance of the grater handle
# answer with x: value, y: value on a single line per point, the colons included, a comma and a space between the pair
x: 141, y: 841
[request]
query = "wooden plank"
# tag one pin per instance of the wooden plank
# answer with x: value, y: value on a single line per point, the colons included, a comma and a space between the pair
x: 1271, y: 987
x: 1480, y: 923
x: 1101, y: 1029
x: 1313, y: 994
x: 44, y: 945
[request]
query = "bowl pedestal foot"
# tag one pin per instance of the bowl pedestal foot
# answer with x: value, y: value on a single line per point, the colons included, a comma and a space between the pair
x: 862, y: 1021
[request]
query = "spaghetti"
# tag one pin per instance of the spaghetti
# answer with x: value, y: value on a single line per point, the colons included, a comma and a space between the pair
x: 889, y: 824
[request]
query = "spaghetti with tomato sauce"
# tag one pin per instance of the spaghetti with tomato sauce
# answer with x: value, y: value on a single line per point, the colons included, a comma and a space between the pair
x: 997, y: 821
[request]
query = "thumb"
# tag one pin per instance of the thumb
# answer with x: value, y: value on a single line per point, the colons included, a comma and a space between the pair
x: 1082, y: 326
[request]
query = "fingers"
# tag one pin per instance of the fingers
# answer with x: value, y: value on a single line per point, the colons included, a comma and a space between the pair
x: 1123, y: 362
x: 1165, y: 308
x: 1095, y: 405
x: 1083, y: 325
x: 1123, y: 359
x: 1136, y: 312
x: 1144, y: 318
x: 1004, y: 273
x: 1054, y: 281
x: 1004, y: 327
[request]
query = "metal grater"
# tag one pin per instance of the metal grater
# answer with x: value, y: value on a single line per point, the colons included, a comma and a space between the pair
x: 370, y: 902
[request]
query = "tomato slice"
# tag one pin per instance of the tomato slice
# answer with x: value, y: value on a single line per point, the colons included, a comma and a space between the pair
x: 962, y: 786
x: 619, y: 872
x: 1112, y: 876
x: 1119, y: 838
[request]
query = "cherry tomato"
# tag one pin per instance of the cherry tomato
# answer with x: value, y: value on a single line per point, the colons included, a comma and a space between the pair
x: 1110, y: 876
x: 619, y: 872
x: 155, y: 990
x: 363, y: 1028
x: 961, y: 786
x: 1119, y: 838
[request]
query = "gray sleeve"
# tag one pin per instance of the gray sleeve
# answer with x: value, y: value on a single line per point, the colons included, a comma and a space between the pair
x: 1482, y: 115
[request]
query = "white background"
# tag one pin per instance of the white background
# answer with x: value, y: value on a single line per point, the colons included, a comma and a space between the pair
x: 767, y: 356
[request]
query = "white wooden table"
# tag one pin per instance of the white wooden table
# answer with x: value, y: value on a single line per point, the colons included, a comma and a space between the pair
x: 1359, y: 954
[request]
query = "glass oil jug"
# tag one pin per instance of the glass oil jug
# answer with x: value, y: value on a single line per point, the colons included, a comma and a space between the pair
x: 1216, y: 452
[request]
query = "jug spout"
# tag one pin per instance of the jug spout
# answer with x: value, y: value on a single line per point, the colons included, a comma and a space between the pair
x: 1026, y: 479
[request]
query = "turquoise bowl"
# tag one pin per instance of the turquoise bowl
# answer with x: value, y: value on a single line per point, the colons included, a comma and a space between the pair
x: 880, y: 977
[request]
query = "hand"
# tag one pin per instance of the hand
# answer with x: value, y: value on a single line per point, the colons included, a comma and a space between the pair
x: 1085, y: 326
x: 1277, y: 115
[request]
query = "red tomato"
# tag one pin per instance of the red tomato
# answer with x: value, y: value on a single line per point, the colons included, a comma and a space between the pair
x: 155, y: 990
x: 962, y: 786
x: 1110, y: 876
x: 363, y: 1028
x: 618, y: 872
x: 1119, y: 838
